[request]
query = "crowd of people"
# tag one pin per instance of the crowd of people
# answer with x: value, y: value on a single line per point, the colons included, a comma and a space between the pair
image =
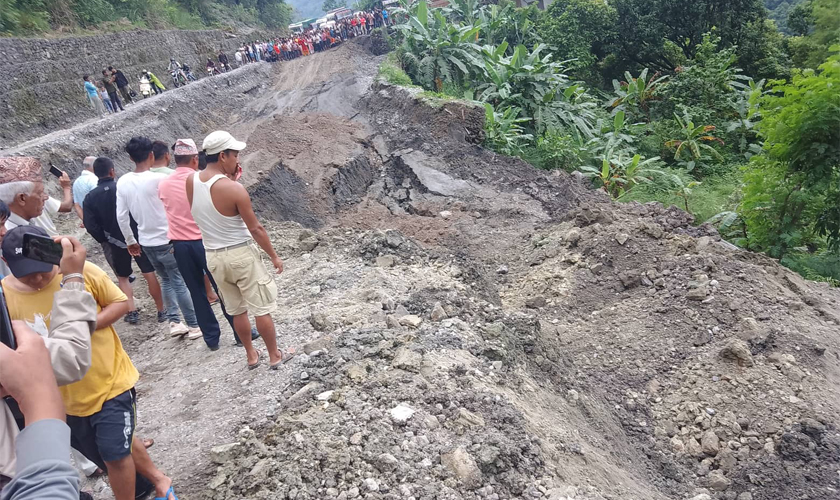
x: 312, y: 40
x: 194, y: 236
x: 113, y: 91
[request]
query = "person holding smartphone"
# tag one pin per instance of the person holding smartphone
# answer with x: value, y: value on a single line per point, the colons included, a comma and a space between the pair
x: 101, y: 407
x: 22, y: 189
x: 73, y: 319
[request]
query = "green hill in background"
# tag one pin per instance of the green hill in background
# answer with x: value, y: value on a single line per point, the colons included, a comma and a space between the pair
x: 57, y: 17
x: 305, y: 9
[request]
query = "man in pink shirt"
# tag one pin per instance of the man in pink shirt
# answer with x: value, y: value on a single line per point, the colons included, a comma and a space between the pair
x: 186, y: 240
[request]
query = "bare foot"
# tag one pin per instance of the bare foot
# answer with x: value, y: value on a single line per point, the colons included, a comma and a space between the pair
x: 162, y: 488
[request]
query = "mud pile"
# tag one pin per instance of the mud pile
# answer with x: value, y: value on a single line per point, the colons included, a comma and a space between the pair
x: 475, y: 328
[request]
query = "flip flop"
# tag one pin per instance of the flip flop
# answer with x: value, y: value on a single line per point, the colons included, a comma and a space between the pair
x: 255, y: 365
x: 169, y: 492
x: 284, y: 358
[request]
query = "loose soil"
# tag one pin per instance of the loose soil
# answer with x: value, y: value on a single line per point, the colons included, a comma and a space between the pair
x: 472, y: 327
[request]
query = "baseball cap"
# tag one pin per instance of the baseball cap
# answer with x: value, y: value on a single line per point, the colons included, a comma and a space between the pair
x: 219, y: 141
x: 184, y: 147
x: 13, y: 252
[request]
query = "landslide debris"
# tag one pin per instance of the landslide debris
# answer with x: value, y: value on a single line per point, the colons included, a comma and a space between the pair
x: 473, y: 328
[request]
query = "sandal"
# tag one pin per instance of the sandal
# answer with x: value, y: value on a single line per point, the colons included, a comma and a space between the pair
x: 284, y: 358
x: 170, y: 491
x: 259, y: 356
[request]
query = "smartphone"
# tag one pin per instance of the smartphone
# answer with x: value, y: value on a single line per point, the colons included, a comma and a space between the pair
x: 56, y: 172
x: 7, y: 335
x: 42, y: 248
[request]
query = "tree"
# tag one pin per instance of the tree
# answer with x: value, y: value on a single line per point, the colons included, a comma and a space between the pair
x: 792, y: 192
x: 582, y: 31
x: 333, y: 4
x: 647, y: 28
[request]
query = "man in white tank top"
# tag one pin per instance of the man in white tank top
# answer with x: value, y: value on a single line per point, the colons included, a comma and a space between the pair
x: 222, y: 209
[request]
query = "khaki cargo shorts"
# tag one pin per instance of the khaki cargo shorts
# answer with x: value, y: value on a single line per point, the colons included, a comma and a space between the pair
x: 244, y: 283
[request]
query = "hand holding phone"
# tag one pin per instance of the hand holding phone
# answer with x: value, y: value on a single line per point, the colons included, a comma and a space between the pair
x: 55, y: 171
x: 42, y: 248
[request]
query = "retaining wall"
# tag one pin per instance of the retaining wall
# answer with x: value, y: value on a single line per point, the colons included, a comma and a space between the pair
x: 41, y: 87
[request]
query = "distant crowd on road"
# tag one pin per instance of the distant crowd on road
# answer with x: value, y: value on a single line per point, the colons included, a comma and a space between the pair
x: 113, y: 91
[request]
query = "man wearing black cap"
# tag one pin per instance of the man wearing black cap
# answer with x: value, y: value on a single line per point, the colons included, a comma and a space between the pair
x: 101, y: 407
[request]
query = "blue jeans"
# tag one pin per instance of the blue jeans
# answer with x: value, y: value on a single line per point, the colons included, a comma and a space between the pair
x: 192, y: 261
x: 175, y: 293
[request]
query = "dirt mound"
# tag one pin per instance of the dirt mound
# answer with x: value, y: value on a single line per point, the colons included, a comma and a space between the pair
x: 473, y: 327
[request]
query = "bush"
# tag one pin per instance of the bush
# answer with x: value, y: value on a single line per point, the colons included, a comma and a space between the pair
x: 391, y: 72
x: 556, y: 150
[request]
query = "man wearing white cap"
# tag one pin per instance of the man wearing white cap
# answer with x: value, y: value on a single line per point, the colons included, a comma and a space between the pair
x: 186, y: 241
x: 222, y: 209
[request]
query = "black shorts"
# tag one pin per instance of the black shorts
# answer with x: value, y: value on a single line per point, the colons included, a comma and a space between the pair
x: 107, y: 435
x: 120, y: 261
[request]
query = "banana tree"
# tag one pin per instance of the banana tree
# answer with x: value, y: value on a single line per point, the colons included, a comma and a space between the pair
x: 435, y: 50
x: 618, y: 172
x: 694, y: 143
x: 504, y: 130
x: 637, y: 92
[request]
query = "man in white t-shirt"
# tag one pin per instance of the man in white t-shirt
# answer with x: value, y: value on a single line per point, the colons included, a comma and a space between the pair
x: 22, y: 189
x: 137, y: 197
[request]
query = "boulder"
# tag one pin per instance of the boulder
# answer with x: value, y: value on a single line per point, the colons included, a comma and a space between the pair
x: 463, y: 467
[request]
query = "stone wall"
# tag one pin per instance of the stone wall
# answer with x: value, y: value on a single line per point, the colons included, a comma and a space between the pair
x: 41, y: 87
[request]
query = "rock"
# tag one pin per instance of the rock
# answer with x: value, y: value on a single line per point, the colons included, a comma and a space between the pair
x: 371, y: 484
x: 630, y: 279
x: 698, y: 293
x: 461, y: 465
x: 622, y: 238
x: 812, y: 428
x: 502, y: 270
x: 467, y: 418
x: 745, y: 496
x: 224, y: 453
x: 438, y: 312
x: 726, y: 460
x: 573, y: 236
x: 744, y: 423
x: 305, y: 234
x: 353, y: 492
x: 703, y: 337
x: 320, y: 344
x: 401, y: 413
x: 710, y: 443
x: 677, y: 445
x: 406, y: 359
x: 738, y: 351
x: 320, y: 321
x: 304, y: 376
x: 701, y: 496
x: 386, y: 462
x: 431, y: 422
x: 389, y: 304
x: 391, y: 321
x: 537, y: 302
x: 356, y: 439
x: 445, y: 214
x: 309, y: 244
x: 717, y: 481
x: 386, y: 261
x: 411, y: 321
x: 355, y: 372
x: 692, y: 447
x: 324, y: 396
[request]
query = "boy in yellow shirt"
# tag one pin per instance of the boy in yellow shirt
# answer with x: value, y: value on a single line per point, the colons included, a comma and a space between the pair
x: 101, y: 408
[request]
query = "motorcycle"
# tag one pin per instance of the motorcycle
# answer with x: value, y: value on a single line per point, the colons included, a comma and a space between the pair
x: 145, y: 87
x: 178, y: 78
x: 189, y: 73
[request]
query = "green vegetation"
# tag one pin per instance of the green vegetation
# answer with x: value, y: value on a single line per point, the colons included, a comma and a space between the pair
x: 38, y: 17
x: 702, y: 105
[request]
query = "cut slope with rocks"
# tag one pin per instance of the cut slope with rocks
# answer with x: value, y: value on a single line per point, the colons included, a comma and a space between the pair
x: 475, y: 328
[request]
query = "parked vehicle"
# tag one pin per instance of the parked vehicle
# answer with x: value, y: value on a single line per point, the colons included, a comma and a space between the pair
x: 145, y: 87
x: 189, y: 73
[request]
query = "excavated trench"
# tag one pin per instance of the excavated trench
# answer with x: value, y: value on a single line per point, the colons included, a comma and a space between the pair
x: 546, y: 342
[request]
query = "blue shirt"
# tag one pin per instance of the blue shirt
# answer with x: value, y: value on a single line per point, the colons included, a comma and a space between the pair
x: 84, y: 185
x: 91, y: 89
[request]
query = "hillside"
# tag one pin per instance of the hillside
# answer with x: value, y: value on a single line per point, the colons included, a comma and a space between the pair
x: 305, y: 9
